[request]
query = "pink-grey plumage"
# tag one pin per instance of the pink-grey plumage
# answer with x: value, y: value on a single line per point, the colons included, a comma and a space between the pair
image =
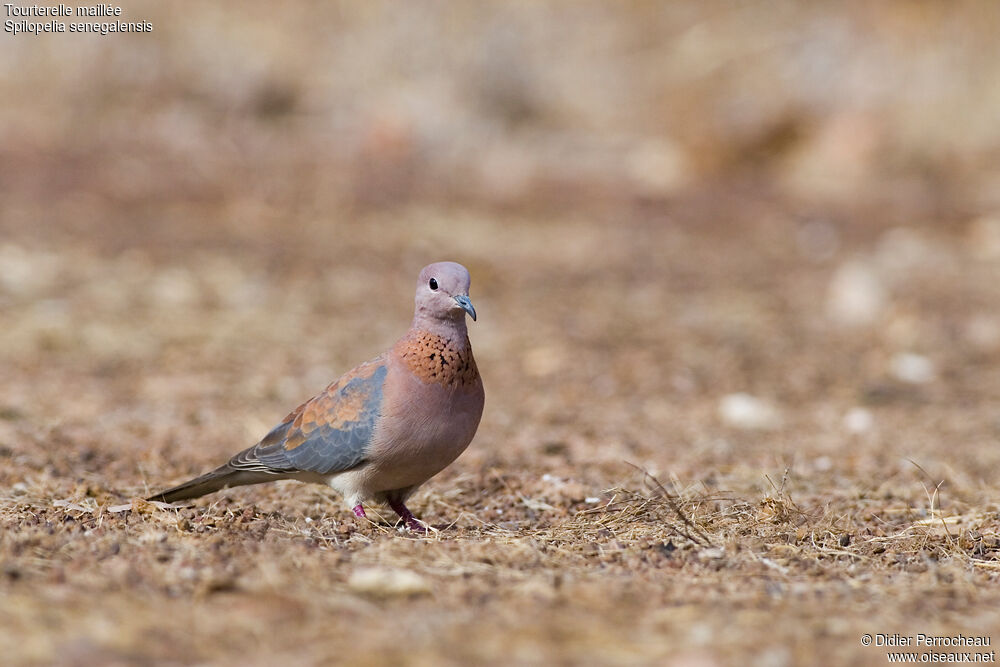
x: 385, y: 427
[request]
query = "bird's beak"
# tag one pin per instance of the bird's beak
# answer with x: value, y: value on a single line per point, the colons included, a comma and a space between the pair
x: 466, y: 305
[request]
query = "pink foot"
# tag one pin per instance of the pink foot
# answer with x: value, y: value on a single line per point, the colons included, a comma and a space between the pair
x: 406, y: 515
x: 359, y: 512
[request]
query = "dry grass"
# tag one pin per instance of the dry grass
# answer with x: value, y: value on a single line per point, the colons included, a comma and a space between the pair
x: 518, y: 568
x: 736, y: 274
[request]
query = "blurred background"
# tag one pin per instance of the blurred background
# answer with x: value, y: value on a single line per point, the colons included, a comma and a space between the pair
x: 718, y: 240
x: 687, y: 225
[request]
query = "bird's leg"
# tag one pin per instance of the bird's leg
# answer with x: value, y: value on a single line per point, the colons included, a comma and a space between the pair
x: 406, y: 515
x: 359, y: 511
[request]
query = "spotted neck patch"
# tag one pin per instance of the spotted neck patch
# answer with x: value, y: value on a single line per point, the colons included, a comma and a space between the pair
x: 438, y: 360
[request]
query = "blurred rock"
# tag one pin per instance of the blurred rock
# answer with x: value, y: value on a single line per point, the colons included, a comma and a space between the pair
x: 856, y: 295
x: 822, y: 463
x: 174, y: 287
x: 744, y: 411
x: 24, y: 272
x: 693, y: 659
x: 901, y: 250
x: 912, y: 368
x: 384, y: 583
x: 776, y: 656
x: 858, y: 420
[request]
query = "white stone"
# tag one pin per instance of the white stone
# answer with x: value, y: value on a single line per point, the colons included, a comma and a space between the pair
x: 748, y: 412
x: 913, y: 368
x: 24, y: 272
x: 823, y: 463
x: 901, y: 250
x: 859, y: 420
x: 382, y: 582
x: 856, y: 295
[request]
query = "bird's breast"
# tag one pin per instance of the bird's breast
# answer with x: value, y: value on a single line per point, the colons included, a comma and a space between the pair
x: 428, y: 420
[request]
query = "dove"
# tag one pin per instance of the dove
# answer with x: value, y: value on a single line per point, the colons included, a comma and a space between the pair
x: 385, y: 427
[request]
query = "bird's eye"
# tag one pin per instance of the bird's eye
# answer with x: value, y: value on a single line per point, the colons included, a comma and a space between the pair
x: 433, y: 284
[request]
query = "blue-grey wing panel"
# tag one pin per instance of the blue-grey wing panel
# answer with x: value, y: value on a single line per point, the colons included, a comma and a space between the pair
x: 329, y: 433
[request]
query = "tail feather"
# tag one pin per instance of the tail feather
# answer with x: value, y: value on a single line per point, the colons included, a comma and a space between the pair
x: 216, y: 480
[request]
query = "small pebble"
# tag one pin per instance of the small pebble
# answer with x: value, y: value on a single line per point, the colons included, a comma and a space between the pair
x: 912, y: 368
x: 858, y: 420
x: 381, y: 582
x: 748, y: 412
x: 823, y: 463
x: 856, y: 295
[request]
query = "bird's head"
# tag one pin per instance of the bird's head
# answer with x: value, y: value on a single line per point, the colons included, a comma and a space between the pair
x: 443, y: 292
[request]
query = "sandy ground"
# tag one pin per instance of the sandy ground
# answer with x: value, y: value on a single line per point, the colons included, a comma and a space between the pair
x: 739, y: 331
x: 852, y: 498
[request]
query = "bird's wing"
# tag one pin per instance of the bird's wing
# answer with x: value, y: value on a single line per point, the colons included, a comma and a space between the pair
x: 329, y: 433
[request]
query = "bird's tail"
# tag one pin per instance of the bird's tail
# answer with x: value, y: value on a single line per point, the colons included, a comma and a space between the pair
x: 220, y: 478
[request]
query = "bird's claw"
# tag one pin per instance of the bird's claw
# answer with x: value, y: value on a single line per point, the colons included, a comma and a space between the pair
x: 415, y: 526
